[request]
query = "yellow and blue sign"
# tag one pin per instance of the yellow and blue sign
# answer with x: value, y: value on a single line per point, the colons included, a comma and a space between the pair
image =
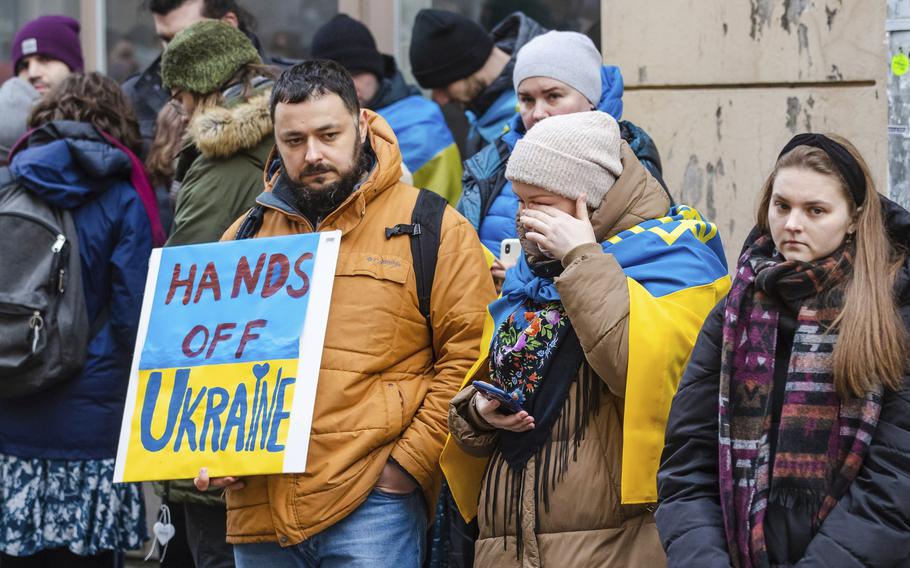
x: 227, y: 358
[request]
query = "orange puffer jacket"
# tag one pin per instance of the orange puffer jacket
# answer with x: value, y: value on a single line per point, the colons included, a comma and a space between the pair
x: 382, y: 393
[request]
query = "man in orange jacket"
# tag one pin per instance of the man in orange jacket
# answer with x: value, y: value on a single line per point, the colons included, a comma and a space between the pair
x: 387, y: 376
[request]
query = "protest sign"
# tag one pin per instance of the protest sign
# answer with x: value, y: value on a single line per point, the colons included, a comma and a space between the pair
x: 227, y: 358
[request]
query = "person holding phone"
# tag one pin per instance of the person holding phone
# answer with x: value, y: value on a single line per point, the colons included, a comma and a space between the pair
x: 555, y: 73
x: 609, y: 268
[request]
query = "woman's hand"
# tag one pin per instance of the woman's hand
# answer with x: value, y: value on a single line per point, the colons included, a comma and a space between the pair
x: 557, y: 232
x: 518, y: 422
x: 202, y: 481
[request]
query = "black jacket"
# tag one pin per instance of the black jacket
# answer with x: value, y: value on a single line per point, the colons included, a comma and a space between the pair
x: 148, y: 96
x: 870, y: 526
x: 392, y: 88
x: 509, y: 35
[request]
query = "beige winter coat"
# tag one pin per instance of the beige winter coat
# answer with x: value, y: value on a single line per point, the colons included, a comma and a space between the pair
x: 585, y: 525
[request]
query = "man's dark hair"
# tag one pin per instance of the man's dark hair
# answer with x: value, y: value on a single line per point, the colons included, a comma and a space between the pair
x: 312, y: 79
x: 214, y: 9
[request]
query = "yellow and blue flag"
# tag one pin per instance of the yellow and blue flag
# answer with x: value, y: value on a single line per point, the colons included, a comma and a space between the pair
x: 676, y: 273
x: 427, y: 146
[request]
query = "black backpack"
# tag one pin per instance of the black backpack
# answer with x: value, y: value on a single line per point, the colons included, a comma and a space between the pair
x: 425, y: 230
x: 44, y: 328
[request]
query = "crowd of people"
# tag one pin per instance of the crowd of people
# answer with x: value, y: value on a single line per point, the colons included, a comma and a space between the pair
x: 614, y: 395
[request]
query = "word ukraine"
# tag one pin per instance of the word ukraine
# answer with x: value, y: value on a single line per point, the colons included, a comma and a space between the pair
x: 227, y: 416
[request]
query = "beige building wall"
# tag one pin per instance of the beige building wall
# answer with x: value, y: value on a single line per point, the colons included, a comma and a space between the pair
x: 378, y: 15
x: 722, y: 85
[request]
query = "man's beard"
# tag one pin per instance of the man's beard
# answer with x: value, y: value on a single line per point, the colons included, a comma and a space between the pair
x: 318, y: 202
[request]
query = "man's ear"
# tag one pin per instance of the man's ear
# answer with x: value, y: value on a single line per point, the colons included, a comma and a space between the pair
x: 231, y: 18
x: 363, y: 124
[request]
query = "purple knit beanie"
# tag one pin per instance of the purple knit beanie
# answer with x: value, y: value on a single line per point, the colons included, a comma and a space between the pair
x: 56, y: 37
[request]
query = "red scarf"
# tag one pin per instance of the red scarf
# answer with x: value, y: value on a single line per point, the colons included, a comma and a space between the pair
x: 138, y: 179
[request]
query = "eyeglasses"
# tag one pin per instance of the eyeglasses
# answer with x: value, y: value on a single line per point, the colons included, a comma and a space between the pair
x: 176, y: 105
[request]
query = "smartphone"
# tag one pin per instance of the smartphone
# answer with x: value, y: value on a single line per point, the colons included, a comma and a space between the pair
x: 510, y: 403
x: 509, y: 251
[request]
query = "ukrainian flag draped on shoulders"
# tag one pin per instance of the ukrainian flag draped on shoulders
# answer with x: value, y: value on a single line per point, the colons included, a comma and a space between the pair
x: 676, y: 273
x: 427, y: 146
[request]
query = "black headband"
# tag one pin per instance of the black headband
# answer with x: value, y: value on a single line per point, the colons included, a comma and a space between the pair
x: 842, y: 159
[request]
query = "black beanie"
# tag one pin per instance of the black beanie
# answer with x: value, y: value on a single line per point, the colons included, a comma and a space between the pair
x: 447, y: 47
x: 349, y: 43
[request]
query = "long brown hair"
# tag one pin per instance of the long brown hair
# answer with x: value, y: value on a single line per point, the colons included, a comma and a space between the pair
x: 169, y: 129
x: 93, y: 98
x: 872, y: 346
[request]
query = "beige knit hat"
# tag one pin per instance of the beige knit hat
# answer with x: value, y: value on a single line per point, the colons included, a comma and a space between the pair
x: 569, y: 155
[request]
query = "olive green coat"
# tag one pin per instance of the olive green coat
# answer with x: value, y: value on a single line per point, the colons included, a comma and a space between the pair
x: 220, y: 169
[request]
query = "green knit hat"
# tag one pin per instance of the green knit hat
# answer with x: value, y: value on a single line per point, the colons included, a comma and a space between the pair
x: 204, y: 56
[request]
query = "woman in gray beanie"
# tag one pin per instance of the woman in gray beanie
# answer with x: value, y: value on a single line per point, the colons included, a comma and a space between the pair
x: 591, y: 336
x: 556, y: 73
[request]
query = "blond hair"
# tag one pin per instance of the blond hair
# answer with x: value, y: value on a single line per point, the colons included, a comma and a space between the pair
x: 872, y: 345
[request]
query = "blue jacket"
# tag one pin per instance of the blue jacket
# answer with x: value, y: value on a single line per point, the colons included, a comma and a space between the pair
x: 490, y: 112
x: 487, y: 199
x: 486, y: 128
x: 74, y: 168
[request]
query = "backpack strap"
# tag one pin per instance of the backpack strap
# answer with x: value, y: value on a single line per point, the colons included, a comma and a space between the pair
x: 251, y: 223
x: 427, y: 214
x: 425, y: 230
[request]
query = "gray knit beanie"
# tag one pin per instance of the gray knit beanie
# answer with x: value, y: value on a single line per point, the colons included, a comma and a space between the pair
x: 17, y: 97
x: 569, y: 57
x: 570, y: 154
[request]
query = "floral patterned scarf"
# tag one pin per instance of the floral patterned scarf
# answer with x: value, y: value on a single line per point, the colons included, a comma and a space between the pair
x: 535, y: 355
x: 536, y: 352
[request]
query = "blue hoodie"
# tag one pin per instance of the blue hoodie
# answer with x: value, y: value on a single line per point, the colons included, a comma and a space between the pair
x: 488, y: 201
x: 71, y: 166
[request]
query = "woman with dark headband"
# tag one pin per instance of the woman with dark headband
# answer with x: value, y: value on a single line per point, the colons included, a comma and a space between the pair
x: 788, y: 441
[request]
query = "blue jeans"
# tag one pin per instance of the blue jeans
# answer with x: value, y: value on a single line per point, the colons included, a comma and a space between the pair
x: 386, y: 530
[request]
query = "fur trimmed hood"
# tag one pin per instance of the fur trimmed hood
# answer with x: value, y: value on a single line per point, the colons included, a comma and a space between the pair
x: 220, y: 132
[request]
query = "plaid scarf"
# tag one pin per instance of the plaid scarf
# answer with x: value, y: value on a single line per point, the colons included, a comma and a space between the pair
x: 816, y: 458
